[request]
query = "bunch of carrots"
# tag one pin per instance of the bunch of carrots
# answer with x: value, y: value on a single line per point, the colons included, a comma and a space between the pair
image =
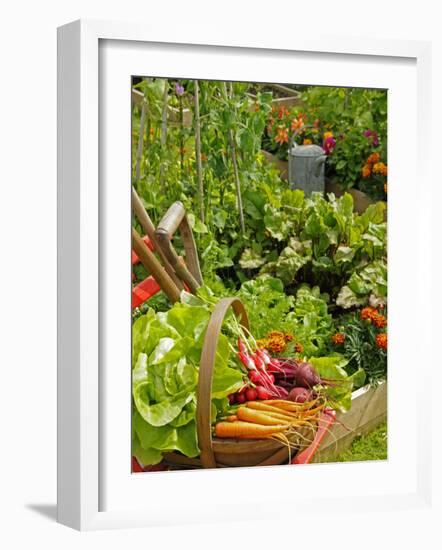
x: 273, y: 418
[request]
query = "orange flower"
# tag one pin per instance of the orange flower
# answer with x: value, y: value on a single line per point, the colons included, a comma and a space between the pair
x: 366, y: 171
x: 379, y: 321
x: 307, y: 141
x: 276, y: 345
x: 367, y: 313
x: 299, y: 348
x: 328, y: 135
x: 382, y: 340
x: 374, y: 158
x: 289, y: 337
x: 297, y: 123
x: 276, y: 342
x: 203, y: 157
x: 380, y: 168
x: 338, y: 338
x: 283, y: 112
x: 262, y: 343
x: 282, y: 135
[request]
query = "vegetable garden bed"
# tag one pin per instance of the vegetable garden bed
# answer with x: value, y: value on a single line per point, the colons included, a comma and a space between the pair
x: 310, y: 270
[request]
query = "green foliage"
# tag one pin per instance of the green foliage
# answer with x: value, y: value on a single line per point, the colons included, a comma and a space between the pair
x: 360, y: 347
x: 304, y: 315
x: 356, y: 121
x: 166, y: 353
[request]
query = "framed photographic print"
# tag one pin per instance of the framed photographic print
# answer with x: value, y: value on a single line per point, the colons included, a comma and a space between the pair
x: 224, y: 317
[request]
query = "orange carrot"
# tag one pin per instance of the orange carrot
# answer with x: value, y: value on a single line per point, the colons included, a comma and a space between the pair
x: 262, y: 406
x: 291, y: 406
x: 231, y: 418
x: 247, y: 430
x: 257, y: 417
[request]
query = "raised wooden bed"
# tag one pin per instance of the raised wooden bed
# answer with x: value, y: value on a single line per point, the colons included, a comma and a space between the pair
x: 368, y: 410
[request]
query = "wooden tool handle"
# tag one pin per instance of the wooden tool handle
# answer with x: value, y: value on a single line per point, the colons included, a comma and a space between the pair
x: 207, y: 365
x: 148, y: 259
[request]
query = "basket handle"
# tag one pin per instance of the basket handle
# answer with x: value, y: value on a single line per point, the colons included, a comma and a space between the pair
x: 207, y: 364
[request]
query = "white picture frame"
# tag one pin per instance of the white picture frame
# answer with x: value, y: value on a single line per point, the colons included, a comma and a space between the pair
x: 83, y: 397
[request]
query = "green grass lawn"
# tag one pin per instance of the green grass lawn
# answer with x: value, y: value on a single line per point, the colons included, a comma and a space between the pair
x: 372, y: 446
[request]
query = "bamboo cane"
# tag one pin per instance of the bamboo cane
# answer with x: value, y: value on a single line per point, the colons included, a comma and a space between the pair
x: 140, y: 142
x: 235, y: 166
x: 199, y: 166
x: 163, y: 136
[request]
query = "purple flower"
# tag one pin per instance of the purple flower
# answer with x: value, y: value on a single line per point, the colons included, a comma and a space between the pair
x: 375, y: 141
x: 329, y: 145
x: 368, y: 133
x: 179, y: 89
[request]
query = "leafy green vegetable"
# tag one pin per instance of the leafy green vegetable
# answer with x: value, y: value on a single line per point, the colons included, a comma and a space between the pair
x: 165, y: 376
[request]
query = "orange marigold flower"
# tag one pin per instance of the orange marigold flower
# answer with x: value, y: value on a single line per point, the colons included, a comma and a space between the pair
x: 289, y: 337
x: 328, y: 135
x: 276, y: 341
x: 367, y: 313
x: 299, y: 348
x: 282, y: 135
x: 382, y: 340
x: 366, y: 171
x: 262, y: 343
x: 277, y: 345
x: 275, y: 334
x: 307, y: 141
x: 380, y: 168
x: 379, y: 321
x: 374, y: 158
x: 338, y: 338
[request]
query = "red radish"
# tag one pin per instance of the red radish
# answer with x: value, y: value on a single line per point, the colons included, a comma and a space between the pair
x: 251, y: 394
x: 255, y: 376
x: 300, y: 395
x: 263, y: 393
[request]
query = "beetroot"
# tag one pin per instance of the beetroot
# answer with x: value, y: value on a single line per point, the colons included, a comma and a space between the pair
x: 232, y: 398
x: 300, y: 395
x: 306, y: 376
x: 240, y: 398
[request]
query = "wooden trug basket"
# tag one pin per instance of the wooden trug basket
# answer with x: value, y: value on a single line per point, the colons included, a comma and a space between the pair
x: 216, y: 452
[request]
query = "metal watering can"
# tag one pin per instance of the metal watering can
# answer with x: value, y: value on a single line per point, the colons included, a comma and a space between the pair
x: 306, y: 166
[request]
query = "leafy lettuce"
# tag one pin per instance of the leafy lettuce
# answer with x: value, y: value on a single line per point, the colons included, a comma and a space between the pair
x: 166, y: 350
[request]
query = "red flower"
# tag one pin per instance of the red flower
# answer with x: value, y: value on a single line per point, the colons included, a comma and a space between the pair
x: 379, y: 321
x: 338, y: 338
x: 367, y: 313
